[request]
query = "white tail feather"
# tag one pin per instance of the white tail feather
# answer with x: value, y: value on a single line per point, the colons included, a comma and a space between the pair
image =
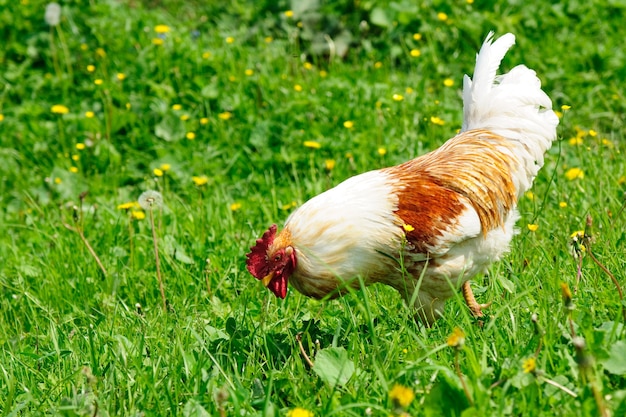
x: 511, y: 105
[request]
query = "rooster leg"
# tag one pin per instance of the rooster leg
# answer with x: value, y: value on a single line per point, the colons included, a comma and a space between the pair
x: 470, y: 300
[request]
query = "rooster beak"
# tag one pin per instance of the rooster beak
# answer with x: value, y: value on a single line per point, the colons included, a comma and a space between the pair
x: 266, y: 280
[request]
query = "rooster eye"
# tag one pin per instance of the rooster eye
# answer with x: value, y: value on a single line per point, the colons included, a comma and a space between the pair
x: 277, y: 258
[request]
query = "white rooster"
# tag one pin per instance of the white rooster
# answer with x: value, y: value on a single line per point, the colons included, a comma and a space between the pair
x: 447, y: 215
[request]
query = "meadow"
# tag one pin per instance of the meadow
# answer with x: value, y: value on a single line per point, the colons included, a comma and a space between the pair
x: 231, y: 114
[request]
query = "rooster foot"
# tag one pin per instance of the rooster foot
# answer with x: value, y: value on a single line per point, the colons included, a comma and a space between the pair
x: 470, y: 300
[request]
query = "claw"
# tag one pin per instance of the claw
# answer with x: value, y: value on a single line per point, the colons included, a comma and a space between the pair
x: 470, y: 300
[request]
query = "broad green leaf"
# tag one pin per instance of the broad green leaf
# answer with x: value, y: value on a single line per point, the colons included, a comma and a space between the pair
x: 194, y: 409
x: 616, y: 362
x: 333, y: 366
x: 176, y: 250
x: 379, y: 18
x: 170, y: 129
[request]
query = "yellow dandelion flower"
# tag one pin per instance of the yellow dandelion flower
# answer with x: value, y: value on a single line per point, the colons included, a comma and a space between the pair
x: 408, y: 227
x: 530, y: 195
x: 204, y: 120
x: 165, y: 167
x: 580, y: 133
x: 401, y: 395
x: 232, y: 78
x: 622, y: 180
x: 235, y: 206
x: 529, y: 365
x: 80, y: 146
x: 98, y: 81
x: 574, y: 173
x: 158, y: 172
x: 230, y: 39
x: 607, y: 143
x: 289, y: 13
x: 138, y: 214
x: 128, y: 106
x: 329, y: 164
x: 200, y: 180
x: 456, y: 338
x: 312, y: 144
x: 176, y: 107
x: 157, y: 41
x: 448, y: 82
x: 415, y: 53
x: 59, y: 109
x: 58, y: 180
x: 89, y: 114
x: 299, y: 412
x: 84, y: 46
x: 268, y: 39
x: 225, y: 115
x: 162, y: 29
x: 442, y: 16
x: 532, y: 227
x: 409, y: 90
x: 397, y: 97
x: 575, y: 141
x: 565, y: 107
x: 382, y: 151
x: 288, y: 206
x: 348, y: 124
x: 417, y: 36
x: 378, y: 64
x: 101, y: 52
x: 190, y: 135
x: 566, y: 293
x: 562, y: 204
x: 121, y: 76
x: 558, y: 114
x: 128, y: 205
x: 206, y: 55
x: 307, y: 65
x: 577, y: 241
x: 184, y: 117
x: 323, y: 73
x: 249, y: 72
x: 437, y: 120
x: 592, y: 133
x: 1, y: 117
x: 470, y: 1
x: 91, y: 68
x: 73, y: 170
x: 75, y: 157
x: 297, y: 87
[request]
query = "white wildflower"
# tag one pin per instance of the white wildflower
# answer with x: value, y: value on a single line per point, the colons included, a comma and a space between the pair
x: 150, y: 199
x: 53, y: 14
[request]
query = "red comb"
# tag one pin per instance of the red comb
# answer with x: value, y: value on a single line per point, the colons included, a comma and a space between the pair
x: 257, y: 262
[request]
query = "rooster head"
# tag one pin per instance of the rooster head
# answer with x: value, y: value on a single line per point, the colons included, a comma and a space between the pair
x: 272, y: 261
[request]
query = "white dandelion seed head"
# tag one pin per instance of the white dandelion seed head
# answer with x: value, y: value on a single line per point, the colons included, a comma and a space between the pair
x: 150, y: 199
x: 53, y: 14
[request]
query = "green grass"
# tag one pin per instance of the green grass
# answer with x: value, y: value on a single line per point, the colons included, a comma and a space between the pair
x: 76, y: 341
